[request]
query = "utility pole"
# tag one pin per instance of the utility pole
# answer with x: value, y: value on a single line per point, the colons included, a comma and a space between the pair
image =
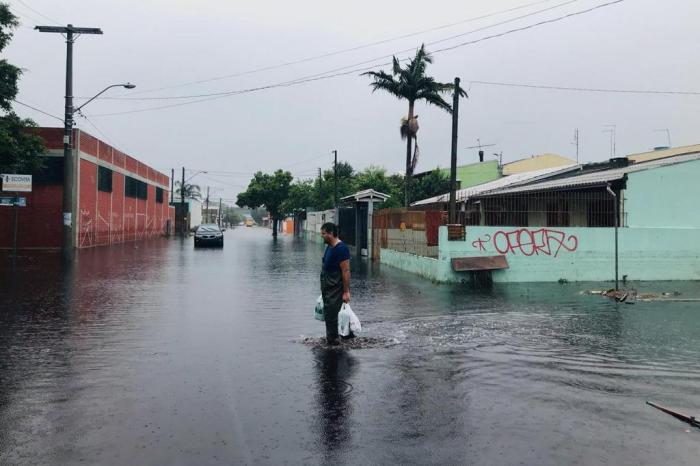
x: 70, y: 33
x: 335, y: 179
x: 182, y: 203
x: 319, y: 190
x: 172, y: 184
x: 453, y: 155
x: 208, y: 205
x: 219, y: 212
x: 613, y: 142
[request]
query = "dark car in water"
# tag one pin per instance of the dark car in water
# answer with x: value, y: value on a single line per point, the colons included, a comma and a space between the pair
x: 209, y: 234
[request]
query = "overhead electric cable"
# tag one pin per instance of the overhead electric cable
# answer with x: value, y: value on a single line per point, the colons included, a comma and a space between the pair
x: 327, y: 76
x: 38, y: 110
x: 338, y: 52
x: 586, y: 89
x: 365, y: 62
x: 57, y: 23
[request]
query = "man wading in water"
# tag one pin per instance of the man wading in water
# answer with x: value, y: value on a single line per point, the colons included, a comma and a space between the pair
x: 335, y: 279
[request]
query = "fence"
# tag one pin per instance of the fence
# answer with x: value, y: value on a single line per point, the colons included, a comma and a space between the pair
x: 575, y: 208
x: 413, y: 232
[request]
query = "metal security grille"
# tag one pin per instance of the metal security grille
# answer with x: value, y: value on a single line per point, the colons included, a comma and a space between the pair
x: 574, y: 208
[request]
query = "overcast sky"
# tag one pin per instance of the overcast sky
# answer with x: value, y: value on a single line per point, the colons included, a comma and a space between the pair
x: 632, y: 45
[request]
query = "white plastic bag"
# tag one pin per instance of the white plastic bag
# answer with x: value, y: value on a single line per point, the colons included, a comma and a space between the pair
x: 348, y: 321
x: 318, y: 310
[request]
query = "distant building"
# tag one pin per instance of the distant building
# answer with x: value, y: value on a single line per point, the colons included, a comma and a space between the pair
x: 536, y: 162
x: 663, y: 152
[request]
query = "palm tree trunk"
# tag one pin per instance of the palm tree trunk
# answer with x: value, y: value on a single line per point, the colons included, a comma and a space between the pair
x: 409, y: 158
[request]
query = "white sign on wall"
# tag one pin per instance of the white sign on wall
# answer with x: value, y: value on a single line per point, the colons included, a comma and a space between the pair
x: 16, y: 183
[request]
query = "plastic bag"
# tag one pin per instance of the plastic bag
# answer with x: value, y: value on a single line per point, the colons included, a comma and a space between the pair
x: 348, y: 321
x: 318, y: 310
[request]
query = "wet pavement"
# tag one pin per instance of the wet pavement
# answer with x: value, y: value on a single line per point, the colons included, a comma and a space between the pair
x: 156, y: 353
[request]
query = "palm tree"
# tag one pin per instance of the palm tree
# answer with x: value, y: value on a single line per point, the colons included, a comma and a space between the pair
x: 191, y: 191
x: 411, y: 83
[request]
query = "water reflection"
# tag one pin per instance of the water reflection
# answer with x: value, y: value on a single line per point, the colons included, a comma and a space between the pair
x: 334, y: 371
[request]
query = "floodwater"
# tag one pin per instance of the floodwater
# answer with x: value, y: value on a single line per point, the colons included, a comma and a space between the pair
x: 156, y: 353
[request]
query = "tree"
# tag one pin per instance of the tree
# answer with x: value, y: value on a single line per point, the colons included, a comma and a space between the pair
x: 270, y: 191
x: 325, y: 192
x: 412, y: 84
x: 374, y: 177
x: 191, y: 191
x: 433, y: 183
x: 302, y: 194
x: 20, y: 148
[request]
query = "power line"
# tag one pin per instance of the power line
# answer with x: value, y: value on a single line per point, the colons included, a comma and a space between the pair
x: 587, y: 89
x: 38, y: 110
x: 365, y: 62
x: 531, y: 26
x: 39, y: 13
x: 321, y: 76
x: 25, y: 16
x: 338, y: 52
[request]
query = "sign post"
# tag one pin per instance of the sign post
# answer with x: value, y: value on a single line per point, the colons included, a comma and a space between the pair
x: 18, y: 184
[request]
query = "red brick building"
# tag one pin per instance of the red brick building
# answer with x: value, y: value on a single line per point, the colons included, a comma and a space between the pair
x: 116, y: 198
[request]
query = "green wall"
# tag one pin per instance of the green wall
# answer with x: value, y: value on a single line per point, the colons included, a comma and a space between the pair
x: 572, y: 254
x: 476, y: 173
x: 664, y: 197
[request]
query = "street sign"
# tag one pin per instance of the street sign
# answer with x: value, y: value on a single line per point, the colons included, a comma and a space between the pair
x: 11, y: 201
x: 17, y: 183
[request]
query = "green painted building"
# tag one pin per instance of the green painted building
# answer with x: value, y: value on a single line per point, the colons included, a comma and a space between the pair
x: 563, y: 228
x: 475, y: 173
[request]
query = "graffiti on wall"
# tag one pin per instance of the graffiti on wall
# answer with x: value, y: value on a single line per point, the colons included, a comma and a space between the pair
x: 543, y: 241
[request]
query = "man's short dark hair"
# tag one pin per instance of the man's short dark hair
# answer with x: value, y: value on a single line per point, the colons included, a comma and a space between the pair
x: 330, y: 227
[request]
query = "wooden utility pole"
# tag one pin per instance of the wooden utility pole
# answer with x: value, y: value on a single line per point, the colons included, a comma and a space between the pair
x: 208, y: 221
x: 335, y: 179
x: 219, y: 212
x: 453, y: 160
x: 70, y: 32
x: 182, y: 204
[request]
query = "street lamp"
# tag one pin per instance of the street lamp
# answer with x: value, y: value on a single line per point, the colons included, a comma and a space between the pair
x: 69, y: 164
x: 125, y: 86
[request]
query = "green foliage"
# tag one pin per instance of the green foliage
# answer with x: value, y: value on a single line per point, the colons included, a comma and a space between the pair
x: 191, y: 191
x: 20, y: 148
x: 302, y: 194
x: 411, y: 83
x: 434, y: 183
x: 267, y: 190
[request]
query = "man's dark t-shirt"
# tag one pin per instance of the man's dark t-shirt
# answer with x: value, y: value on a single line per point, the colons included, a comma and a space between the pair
x: 333, y: 256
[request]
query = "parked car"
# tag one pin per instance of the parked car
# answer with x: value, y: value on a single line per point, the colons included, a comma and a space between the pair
x: 209, y: 234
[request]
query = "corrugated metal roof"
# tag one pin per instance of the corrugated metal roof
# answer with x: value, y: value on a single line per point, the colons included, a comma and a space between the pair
x: 596, y: 178
x: 506, y: 181
x: 536, y: 162
x: 663, y: 153
x: 369, y: 194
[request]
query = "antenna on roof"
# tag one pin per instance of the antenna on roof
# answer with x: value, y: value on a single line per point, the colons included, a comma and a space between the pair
x: 480, y: 146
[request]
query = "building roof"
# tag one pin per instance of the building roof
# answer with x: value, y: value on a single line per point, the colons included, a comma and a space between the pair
x: 366, y: 196
x: 663, y: 153
x: 506, y: 181
x: 473, y: 174
x: 536, y: 162
x: 592, y: 179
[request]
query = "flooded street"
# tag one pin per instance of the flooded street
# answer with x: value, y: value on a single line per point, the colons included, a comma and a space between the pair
x: 156, y: 353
